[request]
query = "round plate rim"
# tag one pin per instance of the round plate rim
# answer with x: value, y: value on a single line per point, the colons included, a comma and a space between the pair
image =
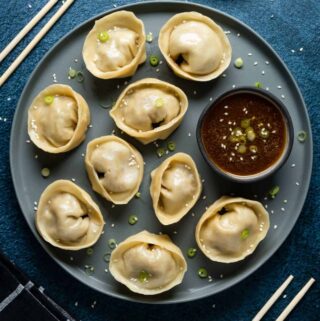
x: 250, y: 270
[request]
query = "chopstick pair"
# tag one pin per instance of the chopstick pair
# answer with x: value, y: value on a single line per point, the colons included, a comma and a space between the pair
x: 35, y: 40
x: 276, y: 296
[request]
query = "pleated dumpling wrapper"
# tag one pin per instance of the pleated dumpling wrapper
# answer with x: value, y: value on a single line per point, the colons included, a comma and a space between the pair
x: 231, y: 229
x: 115, y: 168
x: 67, y: 217
x: 115, y: 47
x: 150, y: 109
x: 175, y: 188
x: 194, y: 46
x: 148, y: 263
x: 58, y: 119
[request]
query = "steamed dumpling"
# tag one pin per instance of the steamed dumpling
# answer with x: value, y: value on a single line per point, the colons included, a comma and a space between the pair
x: 115, y: 168
x: 148, y: 263
x: 194, y: 46
x: 175, y: 188
x: 150, y: 109
x: 58, y: 119
x: 231, y: 229
x: 115, y: 46
x: 67, y: 217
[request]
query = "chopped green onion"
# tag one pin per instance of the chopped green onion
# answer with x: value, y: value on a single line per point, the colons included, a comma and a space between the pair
x: 159, y: 102
x: 133, y: 219
x: 203, y: 273
x: 258, y: 84
x: 245, y: 123
x: 80, y: 76
x: 103, y: 36
x: 253, y: 149
x: 238, y: 63
x: 72, y: 73
x: 233, y: 139
x: 264, y: 133
x: 191, y: 252
x: 237, y: 132
x: 89, y: 269
x: 154, y: 60
x: 112, y: 243
x: 138, y: 195
x: 106, y: 257
x: 243, y: 139
x: 251, y: 135
x: 244, y: 234
x: 242, y: 149
x: 48, y: 100
x: 274, y: 191
x: 89, y: 251
x: 149, y: 37
x: 143, y: 276
x: 171, y: 146
x: 45, y: 172
x: 160, y: 152
x: 302, y: 136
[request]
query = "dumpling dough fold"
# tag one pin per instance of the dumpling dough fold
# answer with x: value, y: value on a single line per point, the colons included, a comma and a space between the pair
x: 149, y: 109
x: 194, y: 46
x: 67, y: 217
x: 175, y: 188
x: 122, y: 50
x: 231, y: 229
x: 114, y: 167
x: 58, y: 119
x: 148, y: 263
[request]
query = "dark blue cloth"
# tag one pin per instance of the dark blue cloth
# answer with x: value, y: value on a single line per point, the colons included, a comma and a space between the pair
x: 285, y: 25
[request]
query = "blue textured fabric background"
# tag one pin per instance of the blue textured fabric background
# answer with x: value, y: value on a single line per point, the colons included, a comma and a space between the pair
x: 286, y: 25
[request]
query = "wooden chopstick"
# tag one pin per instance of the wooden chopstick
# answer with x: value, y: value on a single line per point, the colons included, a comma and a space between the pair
x: 34, y: 41
x: 295, y: 300
x: 273, y: 299
x: 27, y: 28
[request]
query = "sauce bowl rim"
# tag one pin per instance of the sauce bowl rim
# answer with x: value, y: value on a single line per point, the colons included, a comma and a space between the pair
x: 288, y: 124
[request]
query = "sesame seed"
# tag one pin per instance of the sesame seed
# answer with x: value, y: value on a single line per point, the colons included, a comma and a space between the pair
x: 210, y: 98
x: 76, y: 303
x: 285, y: 201
x: 233, y: 86
x: 293, y: 165
x: 262, y: 72
x: 272, y: 211
x: 194, y: 92
x: 279, y: 87
x: 73, y: 179
x: 275, y: 227
x: 271, y: 16
x: 255, y: 63
x: 238, y: 34
x: 283, y: 209
x: 267, y: 62
x: 249, y: 54
x: 301, y: 49
x: 293, y: 51
x: 283, y: 96
x: 284, y: 296
x: 267, y: 88
x: 204, y: 197
x: 297, y: 183
x: 189, y: 134
x: 224, y: 75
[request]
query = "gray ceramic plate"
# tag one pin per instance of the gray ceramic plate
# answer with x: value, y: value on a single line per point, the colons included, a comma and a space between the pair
x: 293, y: 178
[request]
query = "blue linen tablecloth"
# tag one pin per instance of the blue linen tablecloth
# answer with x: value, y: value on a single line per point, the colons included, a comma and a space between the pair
x: 286, y: 25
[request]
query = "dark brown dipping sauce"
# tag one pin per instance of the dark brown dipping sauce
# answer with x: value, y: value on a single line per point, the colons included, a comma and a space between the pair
x: 244, y: 134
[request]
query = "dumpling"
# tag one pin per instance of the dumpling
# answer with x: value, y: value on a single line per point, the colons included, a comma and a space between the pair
x: 150, y: 109
x: 175, y: 188
x: 148, y: 263
x: 231, y: 229
x: 67, y: 217
x: 115, y: 47
x: 115, y: 168
x: 194, y: 46
x: 58, y: 119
